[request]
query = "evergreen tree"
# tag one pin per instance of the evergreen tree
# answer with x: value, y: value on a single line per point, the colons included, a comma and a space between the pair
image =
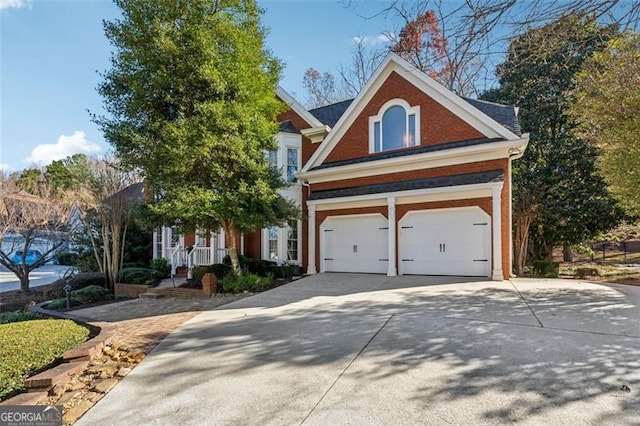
x: 191, y: 102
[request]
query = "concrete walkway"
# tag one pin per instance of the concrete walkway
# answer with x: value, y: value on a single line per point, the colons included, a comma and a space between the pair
x: 366, y: 349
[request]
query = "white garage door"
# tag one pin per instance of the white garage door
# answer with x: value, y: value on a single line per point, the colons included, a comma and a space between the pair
x: 354, y: 244
x: 445, y: 242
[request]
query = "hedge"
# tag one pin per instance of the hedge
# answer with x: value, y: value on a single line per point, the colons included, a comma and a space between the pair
x: 82, y: 296
x: 29, y: 347
x: 139, y: 276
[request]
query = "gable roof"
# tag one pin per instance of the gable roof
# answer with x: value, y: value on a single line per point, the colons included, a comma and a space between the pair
x: 506, y: 115
x: 297, y: 107
x: 466, y: 111
x: 330, y: 114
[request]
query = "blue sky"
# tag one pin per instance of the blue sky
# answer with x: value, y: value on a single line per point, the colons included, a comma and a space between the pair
x: 51, y: 52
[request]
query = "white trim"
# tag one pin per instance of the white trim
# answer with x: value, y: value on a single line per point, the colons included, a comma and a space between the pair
x: 426, y: 160
x: 458, y: 106
x: 496, y: 221
x: 378, y: 118
x: 298, y: 108
x: 479, y: 187
x: 391, y: 239
x: 316, y: 134
x: 311, y: 249
x: 510, y: 271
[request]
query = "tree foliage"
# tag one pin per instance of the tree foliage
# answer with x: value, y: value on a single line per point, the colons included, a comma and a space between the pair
x: 606, y: 107
x: 558, y: 197
x: 191, y: 103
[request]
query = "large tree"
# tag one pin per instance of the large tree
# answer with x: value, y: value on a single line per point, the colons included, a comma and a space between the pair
x: 191, y: 103
x: 558, y: 197
x: 607, y: 104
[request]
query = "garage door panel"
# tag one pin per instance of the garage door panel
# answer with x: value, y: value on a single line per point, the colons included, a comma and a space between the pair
x: 445, y: 242
x: 355, y: 244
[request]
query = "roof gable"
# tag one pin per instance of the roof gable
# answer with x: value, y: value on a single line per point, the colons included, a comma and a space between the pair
x: 461, y: 108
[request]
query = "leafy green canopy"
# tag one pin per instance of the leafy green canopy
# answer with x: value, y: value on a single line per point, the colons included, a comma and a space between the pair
x: 607, y: 109
x: 555, y: 182
x: 191, y: 98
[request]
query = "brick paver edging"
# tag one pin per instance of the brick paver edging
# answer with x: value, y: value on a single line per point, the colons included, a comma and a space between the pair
x: 74, y: 361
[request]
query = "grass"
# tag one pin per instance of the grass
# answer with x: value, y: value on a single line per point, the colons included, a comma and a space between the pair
x: 28, y: 347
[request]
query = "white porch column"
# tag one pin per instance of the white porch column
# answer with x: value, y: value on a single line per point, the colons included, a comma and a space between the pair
x: 166, y: 238
x: 496, y: 222
x: 242, y: 243
x: 391, y: 250
x: 212, y: 246
x: 311, y: 234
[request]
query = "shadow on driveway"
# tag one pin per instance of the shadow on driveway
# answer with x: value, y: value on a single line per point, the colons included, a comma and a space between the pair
x: 359, y: 352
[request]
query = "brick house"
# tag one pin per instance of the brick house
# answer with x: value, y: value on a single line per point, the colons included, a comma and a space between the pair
x: 406, y: 178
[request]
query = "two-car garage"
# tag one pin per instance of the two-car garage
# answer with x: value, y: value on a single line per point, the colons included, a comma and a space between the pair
x: 453, y: 241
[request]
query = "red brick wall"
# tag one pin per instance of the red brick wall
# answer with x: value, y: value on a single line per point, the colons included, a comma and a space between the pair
x: 252, y: 245
x: 437, y: 124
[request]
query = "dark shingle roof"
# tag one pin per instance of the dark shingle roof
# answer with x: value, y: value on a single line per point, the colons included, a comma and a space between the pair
x: 425, y: 183
x: 330, y: 114
x: 403, y: 152
x: 288, y: 127
x: 503, y: 114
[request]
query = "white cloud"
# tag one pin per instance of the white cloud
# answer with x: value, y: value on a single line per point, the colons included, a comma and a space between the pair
x: 373, y: 40
x: 77, y: 143
x: 4, y: 166
x: 14, y: 4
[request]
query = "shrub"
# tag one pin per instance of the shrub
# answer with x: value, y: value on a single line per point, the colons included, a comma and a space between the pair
x: 68, y: 259
x: 139, y: 276
x: 585, y: 272
x: 546, y: 268
x: 127, y: 265
x: 220, y: 270
x: 29, y: 347
x: 161, y: 265
x: 242, y: 283
x: 253, y: 266
x: 78, y: 281
x: 17, y: 316
x: 197, y: 273
x: 82, y: 296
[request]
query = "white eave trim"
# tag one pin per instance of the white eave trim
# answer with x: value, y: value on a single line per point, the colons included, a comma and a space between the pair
x: 442, y: 158
x: 298, y: 108
x: 316, y: 134
x: 478, y: 187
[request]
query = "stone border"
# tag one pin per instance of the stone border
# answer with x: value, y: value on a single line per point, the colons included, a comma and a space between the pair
x: 74, y: 361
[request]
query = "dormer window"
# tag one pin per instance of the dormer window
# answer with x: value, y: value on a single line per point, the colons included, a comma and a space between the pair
x: 396, y: 126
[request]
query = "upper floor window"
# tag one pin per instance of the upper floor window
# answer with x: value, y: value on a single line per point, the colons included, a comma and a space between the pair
x: 396, y: 126
x: 272, y: 158
x: 292, y: 164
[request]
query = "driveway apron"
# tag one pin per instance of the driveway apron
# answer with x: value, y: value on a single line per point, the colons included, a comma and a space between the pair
x: 369, y: 349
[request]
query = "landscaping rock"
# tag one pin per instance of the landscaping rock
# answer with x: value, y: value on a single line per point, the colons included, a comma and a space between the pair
x: 76, y: 412
x: 104, y: 386
x: 124, y: 371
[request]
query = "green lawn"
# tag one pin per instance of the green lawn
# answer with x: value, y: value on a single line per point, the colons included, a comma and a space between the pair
x: 29, y: 347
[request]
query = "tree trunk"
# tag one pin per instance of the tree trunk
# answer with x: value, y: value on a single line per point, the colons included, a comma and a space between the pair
x: 230, y: 233
x: 24, y: 281
x: 521, y: 241
x: 567, y: 253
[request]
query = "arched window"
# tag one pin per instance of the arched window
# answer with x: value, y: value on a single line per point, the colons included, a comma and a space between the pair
x: 396, y: 126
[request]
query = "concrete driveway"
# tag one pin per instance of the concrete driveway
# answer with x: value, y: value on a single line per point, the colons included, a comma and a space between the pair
x: 367, y: 349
